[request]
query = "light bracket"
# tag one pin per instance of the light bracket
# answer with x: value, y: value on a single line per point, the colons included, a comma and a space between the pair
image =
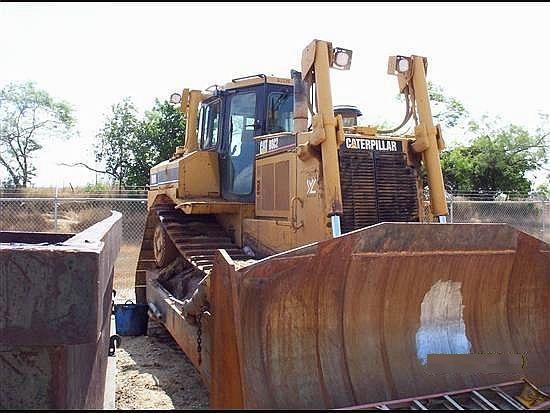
x: 341, y: 58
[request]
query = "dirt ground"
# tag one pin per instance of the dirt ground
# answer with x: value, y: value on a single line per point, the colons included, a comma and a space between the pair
x: 152, y: 371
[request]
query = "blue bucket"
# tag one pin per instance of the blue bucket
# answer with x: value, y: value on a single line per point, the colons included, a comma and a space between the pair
x: 131, y: 319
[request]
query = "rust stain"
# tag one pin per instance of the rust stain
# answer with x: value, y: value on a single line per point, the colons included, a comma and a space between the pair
x: 55, y: 304
x: 411, y: 292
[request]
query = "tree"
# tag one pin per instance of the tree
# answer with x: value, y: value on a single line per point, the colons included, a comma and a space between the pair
x: 497, y: 158
x: 542, y: 192
x: 116, y: 139
x: 28, y: 115
x: 158, y: 135
x: 129, y: 147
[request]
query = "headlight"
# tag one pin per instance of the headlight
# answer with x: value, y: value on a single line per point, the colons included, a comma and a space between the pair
x: 403, y: 64
x: 341, y: 58
x: 175, y: 98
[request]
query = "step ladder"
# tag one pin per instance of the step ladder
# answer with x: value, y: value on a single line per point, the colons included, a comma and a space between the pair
x: 514, y: 395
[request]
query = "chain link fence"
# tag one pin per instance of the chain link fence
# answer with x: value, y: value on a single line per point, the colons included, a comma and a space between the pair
x: 72, y: 215
x: 532, y: 217
x: 69, y: 214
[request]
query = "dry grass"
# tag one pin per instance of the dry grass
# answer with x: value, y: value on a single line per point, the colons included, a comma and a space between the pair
x: 24, y: 221
x: 69, y: 192
x: 125, y: 269
x: 43, y: 191
x: 85, y: 218
x: 72, y: 217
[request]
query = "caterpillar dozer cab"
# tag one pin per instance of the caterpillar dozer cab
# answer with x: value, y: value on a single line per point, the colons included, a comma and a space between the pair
x: 290, y: 253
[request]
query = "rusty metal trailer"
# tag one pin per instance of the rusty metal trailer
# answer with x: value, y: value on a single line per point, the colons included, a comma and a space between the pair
x: 55, y: 316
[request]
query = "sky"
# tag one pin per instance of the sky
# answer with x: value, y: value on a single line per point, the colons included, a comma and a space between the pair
x: 493, y: 57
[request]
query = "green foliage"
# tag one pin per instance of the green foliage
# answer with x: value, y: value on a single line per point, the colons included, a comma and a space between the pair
x: 497, y: 156
x: 96, y: 187
x: 129, y: 147
x: 28, y: 115
x: 162, y: 130
x: 543, y: 191
x: 116, y: 139
x: 497, y: 159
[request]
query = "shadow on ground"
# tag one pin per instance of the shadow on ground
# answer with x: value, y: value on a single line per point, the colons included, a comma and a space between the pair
x: 154, y: 373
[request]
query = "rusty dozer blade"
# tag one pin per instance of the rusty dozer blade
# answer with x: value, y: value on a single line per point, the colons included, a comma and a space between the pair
x: 387, y: 312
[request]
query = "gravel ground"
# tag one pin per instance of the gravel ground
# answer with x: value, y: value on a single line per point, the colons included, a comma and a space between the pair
x: 152, y: 371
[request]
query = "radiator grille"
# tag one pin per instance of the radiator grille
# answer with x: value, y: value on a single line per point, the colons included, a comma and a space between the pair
x: 376, y: 187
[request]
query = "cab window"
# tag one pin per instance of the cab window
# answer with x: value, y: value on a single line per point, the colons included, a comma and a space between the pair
x: 279, y: 112
x: 210, y: 125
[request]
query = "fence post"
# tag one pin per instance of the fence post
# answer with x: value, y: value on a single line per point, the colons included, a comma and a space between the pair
x: 543, y: 220
x: 55, y: 211
x: 451, y: 209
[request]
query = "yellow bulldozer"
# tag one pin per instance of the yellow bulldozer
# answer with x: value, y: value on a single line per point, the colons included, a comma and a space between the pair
x: 294, y: 257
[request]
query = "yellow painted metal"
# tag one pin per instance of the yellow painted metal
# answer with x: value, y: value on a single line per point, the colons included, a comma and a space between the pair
x: 201, y: 164
x: 169, y: 191
x: 233, y: 223
x: 531, y: 395
x: 191, y: 135
x: 308, y: 59
x: 256, y: 80
x: 317, y: 135
x: 364, y: 130
x: 185, y: 171
x: 300, y: 102
x: 210, y: 206
x: 331, y: 172
x: 268, y: 187
x: 268, y: 236
x: 426, y: 139
x: 308, y: 206
x: 167, y: 168
x: 184, y: 105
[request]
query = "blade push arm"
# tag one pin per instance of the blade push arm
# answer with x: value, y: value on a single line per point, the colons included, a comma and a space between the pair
x: 411, y: 74
x: 328, y: 131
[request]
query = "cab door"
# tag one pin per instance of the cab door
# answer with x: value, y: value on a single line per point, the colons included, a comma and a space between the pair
x: 242, y: 124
